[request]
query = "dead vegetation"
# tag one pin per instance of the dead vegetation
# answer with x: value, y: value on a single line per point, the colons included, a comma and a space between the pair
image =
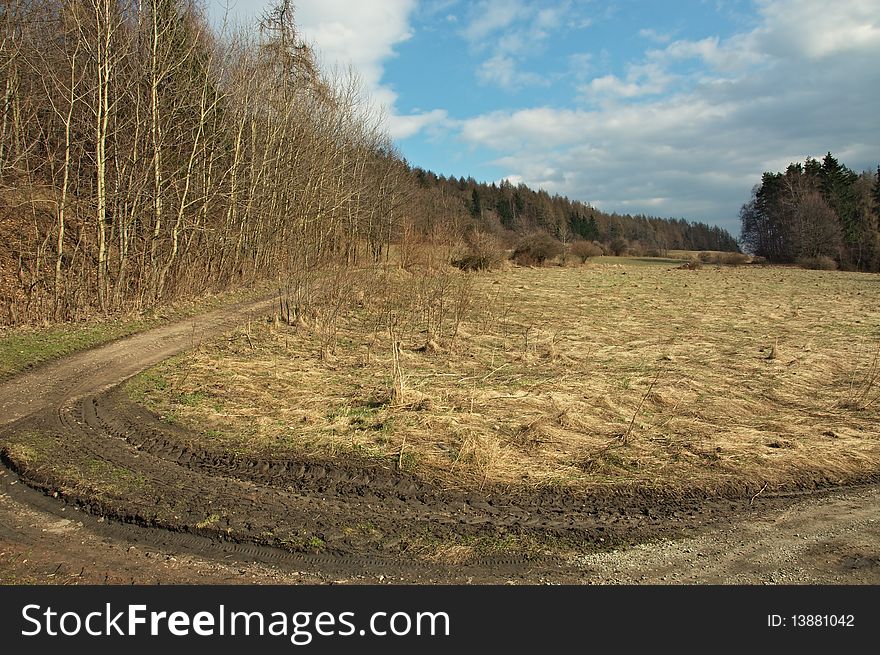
x: 479, y: 252
x: 864, y: 384
x: 617, y: 376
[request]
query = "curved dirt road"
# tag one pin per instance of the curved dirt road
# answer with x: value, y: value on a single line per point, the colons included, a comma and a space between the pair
x: 210, y: 517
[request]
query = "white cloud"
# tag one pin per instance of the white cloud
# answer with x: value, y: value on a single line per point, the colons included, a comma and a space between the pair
x: 705, y: 49
x: 817, y: 29
x: 403, y: 127
x: 512, y: 31
x: 490, y: 16
x: 642, y: 79
x: 653, y: 35
x: 613, y: 85
x: 359, y: 33
x: 579, y: 65
x: 502, y: 71
x: 529, y: 129
x: 692, y: 141
x: 364, y: 35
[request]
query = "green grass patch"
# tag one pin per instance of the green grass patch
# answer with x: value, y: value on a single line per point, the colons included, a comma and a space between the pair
x: 110, y: 477
x: 26, y: 347
x: 37, y: 450
x: 207, y: 522
x: 142, y: 385
x: 191, y: 399
x: 31, y: 448
x: 20, y: 349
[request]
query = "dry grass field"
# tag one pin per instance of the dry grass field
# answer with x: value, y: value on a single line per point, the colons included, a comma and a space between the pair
x: 617, y: 374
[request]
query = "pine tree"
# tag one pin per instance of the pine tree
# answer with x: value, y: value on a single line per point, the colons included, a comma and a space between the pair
x: 476, y: 203
x: 876, y: 194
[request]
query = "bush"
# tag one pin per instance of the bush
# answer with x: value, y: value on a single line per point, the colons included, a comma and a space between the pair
x: 536, y: 249
x: 618, y: 247
x: 820, y: 263
x: 692, y: 265
x: 584, y: 250
x: 733, y: 258
x: 635, y: 249
x: 725, y: 258
x: 482, y: 252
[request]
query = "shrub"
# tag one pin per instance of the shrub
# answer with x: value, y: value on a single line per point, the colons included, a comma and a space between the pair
x: 635, y: 249
x: 618, y: 247
x: 584, y: 250
x: 733, y: 258
x: 482, y: 252
x: 820, y: 263
x: 692, y: 265
x: 725, y: 258
x: 536, y: 249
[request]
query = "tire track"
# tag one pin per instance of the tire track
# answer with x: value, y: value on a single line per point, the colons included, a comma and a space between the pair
x: 169, y: 490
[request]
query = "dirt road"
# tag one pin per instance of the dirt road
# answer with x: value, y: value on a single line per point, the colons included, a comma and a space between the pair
x: 206, y: 516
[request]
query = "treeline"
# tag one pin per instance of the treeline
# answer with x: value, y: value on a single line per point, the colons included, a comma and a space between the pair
x: 143, y: 157
x: 512, y: 211
x: 818, y: 214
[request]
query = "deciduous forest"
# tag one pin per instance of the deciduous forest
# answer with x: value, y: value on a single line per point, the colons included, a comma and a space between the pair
x: 145, y: 157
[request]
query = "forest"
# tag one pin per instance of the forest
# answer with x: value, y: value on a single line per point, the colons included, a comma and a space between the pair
x: 817, y: 214
x: 145, y: 157
x: 510, y: 210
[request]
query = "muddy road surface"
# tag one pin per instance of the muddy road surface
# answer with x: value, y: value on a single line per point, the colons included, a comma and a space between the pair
x: 186, y: 513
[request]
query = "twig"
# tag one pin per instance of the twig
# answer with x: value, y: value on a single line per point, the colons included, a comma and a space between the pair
x: 483, y: 378
x: 632, y: 423
x: 433, y: 375
x: 248, y: 334
x: 491, y: 373
x: 398, y: 389
x: 525, y: 395
x: 758, y: 494
x: 400, y: 455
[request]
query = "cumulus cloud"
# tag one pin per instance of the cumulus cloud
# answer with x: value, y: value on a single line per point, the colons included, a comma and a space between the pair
x: 641, y: 80
x: 364, y: 35
x: 403, y: 127
x: 692, y: 140
x: 818, y: 29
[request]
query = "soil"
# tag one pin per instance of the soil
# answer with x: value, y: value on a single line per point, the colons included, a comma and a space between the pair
x: 184, y: 512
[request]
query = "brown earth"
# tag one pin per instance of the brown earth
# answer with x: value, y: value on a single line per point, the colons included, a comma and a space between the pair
x: 179, y: 512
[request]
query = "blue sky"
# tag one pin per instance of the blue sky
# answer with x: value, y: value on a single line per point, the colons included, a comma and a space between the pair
x: 664, y: 108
